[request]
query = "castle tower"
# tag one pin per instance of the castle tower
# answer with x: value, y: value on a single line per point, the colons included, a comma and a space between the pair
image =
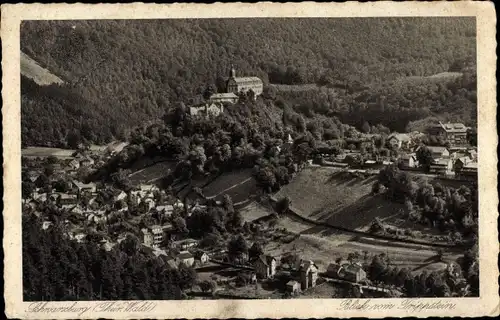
x: 232, y: 73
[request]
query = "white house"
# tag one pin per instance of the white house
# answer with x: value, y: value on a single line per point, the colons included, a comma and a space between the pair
x: 399, y: 140
x: 265, y: 266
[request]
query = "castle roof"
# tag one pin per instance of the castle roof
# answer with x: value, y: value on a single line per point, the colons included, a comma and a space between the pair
x: 224, y: 95
x: 246, y: 80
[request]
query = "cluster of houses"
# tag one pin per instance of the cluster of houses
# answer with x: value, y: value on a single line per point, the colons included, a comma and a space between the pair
x: 304, y: 277
x: 305, y: 272
x: 457, y: 160
x: 177, y: 252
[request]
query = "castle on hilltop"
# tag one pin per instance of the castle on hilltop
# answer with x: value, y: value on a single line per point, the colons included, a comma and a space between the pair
x: 243, y: 84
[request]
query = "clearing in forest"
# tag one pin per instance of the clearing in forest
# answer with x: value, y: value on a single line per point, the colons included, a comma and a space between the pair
x: 31, y: 69
x: 337, y: 197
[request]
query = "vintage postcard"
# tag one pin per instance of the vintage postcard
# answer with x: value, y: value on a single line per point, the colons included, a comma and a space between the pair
x: 295, y: 160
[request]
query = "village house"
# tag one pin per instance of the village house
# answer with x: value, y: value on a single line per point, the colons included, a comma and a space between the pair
x: 46, y: 224
x: 74, y: 164
x: 250, y: 277
x: 81, y: 187
x: 441, y: 166
x: 409, y: 160
x: 352, y: 272
x: 186, y: 257
x: 454, y: 133
x: 196, y: 207
x: 87, y: 162
x: 106, y: 245
x: 65, y: 199
x: 206, y: 109
x: 154, y: 236
x: 469, y: 171
x: 178, y: 204
x: 201, y: 257
x: 167, y: 210
x: 460, y: 163
x: 185, y: 244
x: 472, y: 154
x: 172, y: 262
x: 33, y: 176
x: 308, y: 274
x: 120, y: 195
x: 79, y: 237
x: 149, y: 203
x: 439, y: 152
x: 147, y: 237
x: 293, y: 287
x: 40, y: 197
x: 224, y: 98
x: 265, y: 266
x: 399, y: 140
x: 244, y: 84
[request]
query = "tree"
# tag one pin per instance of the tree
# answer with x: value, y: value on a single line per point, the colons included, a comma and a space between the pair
x: 28, y: 188
x: 366, y: 127
x: 121, y: 179
x: 209, y: 91
x: 207, y: 285
x: 377, y: 268
x: 73, y: 140
x: 130, y: 245
x: 283, y: 205
x: 237, y: 247
x: 424, y: 157
x: 179, y: 225
x: 255, y: 250
x: 227, y: 203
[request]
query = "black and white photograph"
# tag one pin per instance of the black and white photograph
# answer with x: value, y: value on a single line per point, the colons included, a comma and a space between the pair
x: 249, y: 158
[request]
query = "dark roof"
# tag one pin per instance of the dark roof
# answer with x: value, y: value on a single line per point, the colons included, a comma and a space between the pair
x: 266, y: 259
x: 245, y: 80
x: 185, y: 255
x: 199, y: 254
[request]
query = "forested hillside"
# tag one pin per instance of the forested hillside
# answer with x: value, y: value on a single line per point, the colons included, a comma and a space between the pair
x: 130, y: 71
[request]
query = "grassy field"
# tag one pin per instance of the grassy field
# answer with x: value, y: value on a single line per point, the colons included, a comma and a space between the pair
x: 42, y: 152
x: 437, y: 78
x: 254, y: 211
x: 325, y: 195
x: 31, y: 69
x: 240, y: 185
x: 151, y: 173
x: 324, y: 245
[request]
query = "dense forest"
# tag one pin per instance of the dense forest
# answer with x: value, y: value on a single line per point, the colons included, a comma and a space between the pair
x: 126, y: 72
x: 55, y: 268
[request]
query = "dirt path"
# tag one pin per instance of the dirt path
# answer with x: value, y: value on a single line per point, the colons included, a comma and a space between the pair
x: 324, y: 246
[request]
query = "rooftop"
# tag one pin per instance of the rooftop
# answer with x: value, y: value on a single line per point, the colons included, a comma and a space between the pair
x: 247, y: 79
x: 185, y: 255
x: 436, y: 149
x: 453, y: 127
x: 223, y: 95
x: 81, y: 185
x: 441, y: 162
x: 399, y: 136
x: 471, y: 165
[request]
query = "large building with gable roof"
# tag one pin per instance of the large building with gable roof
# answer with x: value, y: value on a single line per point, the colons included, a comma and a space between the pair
x: 243, y: 84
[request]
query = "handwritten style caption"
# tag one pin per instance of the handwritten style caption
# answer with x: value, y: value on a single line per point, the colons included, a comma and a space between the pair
x: 409, y: 305
x: 81, y: 308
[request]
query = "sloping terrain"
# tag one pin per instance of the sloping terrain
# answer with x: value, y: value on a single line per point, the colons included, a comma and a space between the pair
x: 32, y: 70
x: 326, y: 195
